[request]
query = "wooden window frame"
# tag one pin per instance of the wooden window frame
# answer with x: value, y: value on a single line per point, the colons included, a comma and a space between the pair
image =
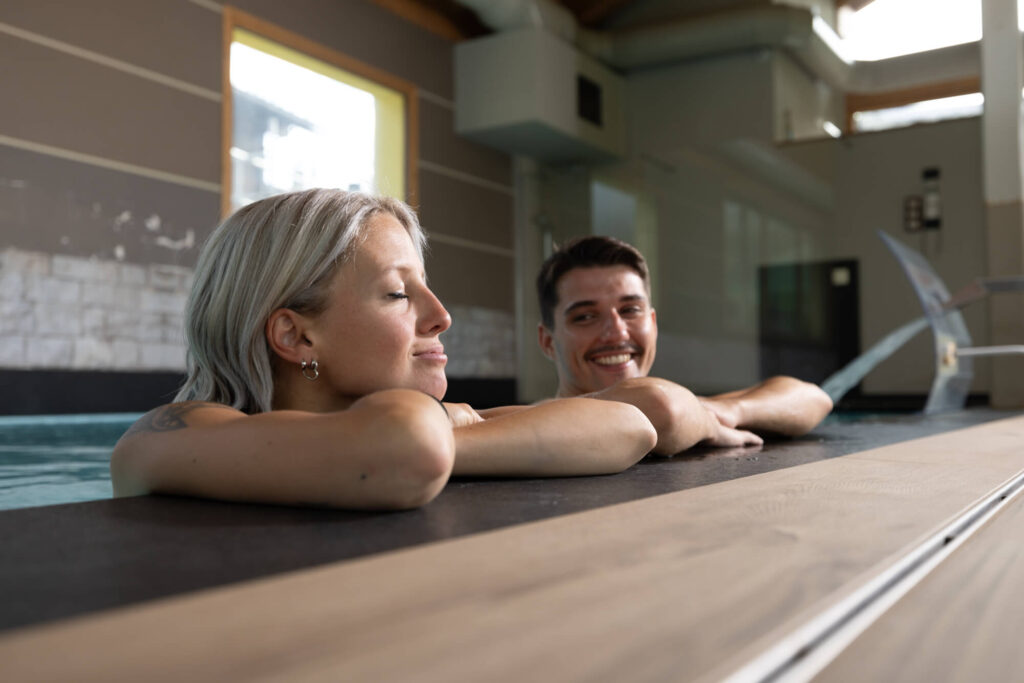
x: 236, y: 19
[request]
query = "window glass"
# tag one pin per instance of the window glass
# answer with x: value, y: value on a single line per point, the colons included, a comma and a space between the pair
x: 928, y: 111
x: 299, y: 122
x: 888, y: 28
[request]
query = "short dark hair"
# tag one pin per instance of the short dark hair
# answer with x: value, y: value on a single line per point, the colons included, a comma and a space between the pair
x: 584, y: 252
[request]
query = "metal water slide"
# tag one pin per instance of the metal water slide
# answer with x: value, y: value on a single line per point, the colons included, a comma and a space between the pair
x: 954, y: 350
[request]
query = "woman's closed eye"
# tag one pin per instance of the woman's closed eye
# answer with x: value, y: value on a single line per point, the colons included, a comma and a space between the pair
x: 397, y: 296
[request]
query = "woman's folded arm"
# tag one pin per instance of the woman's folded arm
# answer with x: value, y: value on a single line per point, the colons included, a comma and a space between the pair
x: 390, y: 450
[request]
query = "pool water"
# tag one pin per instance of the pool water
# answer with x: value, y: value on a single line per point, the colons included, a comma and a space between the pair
x: 55, y: 459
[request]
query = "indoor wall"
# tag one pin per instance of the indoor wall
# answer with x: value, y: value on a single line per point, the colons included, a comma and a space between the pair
x: 110, y: 171
x: 711, y: 154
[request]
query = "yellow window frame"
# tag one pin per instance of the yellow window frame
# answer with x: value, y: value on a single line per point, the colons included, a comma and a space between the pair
x: 397, y: 105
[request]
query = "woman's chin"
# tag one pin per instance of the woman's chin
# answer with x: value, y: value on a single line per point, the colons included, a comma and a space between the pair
x: 434, y: 386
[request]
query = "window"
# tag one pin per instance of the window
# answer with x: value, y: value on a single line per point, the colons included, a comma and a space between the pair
x: 941, y: 109
x: 300, y: 115
x: 889, y: 28
x: 879, y: 29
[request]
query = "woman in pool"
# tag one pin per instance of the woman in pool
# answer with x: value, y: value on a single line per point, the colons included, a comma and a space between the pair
x: 314, y: 363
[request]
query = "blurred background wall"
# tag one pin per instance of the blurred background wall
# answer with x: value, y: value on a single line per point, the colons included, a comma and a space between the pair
x: 722, y: 172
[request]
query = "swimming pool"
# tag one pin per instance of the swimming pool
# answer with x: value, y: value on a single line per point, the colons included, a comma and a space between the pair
x: 52, y: 459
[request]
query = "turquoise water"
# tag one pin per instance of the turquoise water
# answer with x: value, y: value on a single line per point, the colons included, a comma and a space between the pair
x: 54, y: 459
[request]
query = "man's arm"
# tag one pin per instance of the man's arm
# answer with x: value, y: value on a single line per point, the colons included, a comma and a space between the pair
x: 780, y: 405
x: 679, y: 417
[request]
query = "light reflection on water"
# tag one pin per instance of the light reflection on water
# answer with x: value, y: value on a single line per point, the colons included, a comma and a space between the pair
x: 49, y: 460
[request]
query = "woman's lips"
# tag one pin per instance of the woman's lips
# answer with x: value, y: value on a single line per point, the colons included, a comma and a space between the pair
x: 434, y: 353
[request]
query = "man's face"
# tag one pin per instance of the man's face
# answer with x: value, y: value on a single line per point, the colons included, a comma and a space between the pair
x: 604, y: 329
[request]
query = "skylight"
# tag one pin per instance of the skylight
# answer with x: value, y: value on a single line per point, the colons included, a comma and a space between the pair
x: 889, y: 28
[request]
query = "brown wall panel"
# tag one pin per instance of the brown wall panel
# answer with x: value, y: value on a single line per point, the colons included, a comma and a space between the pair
x: 467, y: 277
x: 176, y: 38
x: 60, y: 100
x: 460, y: 209
x: 366, y: 32
x: 65, y: 207
x: 440, y: 144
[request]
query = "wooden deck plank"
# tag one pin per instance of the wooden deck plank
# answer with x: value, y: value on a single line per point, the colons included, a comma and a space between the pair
x: 684, y: 586
x: 962, y: 622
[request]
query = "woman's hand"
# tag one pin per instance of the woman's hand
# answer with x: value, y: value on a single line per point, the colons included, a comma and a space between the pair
x: 462, y: 414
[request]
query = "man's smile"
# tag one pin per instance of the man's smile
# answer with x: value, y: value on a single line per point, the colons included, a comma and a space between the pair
x: 613, y: 360
x: 609, y: 356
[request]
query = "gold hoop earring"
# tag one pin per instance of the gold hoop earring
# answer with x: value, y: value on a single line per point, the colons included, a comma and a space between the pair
x: 310, y: 370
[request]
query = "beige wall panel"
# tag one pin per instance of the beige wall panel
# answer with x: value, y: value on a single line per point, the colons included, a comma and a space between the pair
x: 60, y: 100
x: 1005, y: 230
x: 468, y: 277
x: 175, y: 38
x: 65, y: 207
x: 440, y: 144
x: 366, y: 32
x: 460, y: 209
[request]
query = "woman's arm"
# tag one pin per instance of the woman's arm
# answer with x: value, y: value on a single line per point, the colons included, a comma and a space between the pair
x: 390, y: 450
x: 782, y: 405
x: 562, y: 437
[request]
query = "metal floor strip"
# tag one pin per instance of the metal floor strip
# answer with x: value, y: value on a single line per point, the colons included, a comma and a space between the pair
x: 801, y: 655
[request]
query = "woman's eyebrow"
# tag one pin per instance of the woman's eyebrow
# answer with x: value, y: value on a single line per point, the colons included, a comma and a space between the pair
x: 404, y: 269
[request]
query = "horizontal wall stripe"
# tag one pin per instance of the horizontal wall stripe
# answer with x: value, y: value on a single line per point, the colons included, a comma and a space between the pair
x: 110, y: 62
x: 465, y: 177
x: 434, y: 98
x: 209, y: 4
x: 470, y: 244
x: 109, y: 164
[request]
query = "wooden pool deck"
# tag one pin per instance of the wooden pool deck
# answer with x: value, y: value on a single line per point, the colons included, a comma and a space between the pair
x: 733, y: 565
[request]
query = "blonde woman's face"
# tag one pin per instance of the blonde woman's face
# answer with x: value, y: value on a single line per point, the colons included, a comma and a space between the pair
x: 382, y: 324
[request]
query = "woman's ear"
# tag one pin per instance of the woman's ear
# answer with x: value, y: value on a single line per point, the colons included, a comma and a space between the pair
x: 286, y: 335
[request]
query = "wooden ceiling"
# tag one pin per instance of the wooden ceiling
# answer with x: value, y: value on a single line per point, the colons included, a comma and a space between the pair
x: 456, y: 22
x: 593, y: 12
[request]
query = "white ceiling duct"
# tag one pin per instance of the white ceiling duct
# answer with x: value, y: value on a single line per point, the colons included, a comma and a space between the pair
x: 510, y: 15
x: 793, y: 29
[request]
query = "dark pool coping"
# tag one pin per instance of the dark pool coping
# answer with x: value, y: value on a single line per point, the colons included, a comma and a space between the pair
x: 67, y: 560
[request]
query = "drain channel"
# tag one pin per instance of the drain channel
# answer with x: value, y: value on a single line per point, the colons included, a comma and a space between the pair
x: 811, y: 647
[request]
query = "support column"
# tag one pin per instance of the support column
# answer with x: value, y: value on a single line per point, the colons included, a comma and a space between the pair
x: 535, y: 374
x: 1002, y: 77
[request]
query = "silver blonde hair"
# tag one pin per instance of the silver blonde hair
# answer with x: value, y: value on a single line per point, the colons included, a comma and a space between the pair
x: 279, y: 252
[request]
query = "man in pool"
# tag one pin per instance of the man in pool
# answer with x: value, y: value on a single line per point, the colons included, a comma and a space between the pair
x: 600, y: 330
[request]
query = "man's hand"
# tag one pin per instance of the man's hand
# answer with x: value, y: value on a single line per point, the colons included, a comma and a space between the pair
x: 778, y: 405
x: 726, y: 411
x: 462, y: 414
x: 730, y: 437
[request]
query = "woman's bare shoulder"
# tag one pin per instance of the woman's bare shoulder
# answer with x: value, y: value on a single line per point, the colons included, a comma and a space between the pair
x: 174, y: 416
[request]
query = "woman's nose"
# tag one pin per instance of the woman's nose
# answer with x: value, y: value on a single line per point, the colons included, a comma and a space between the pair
x: 435, y: 318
